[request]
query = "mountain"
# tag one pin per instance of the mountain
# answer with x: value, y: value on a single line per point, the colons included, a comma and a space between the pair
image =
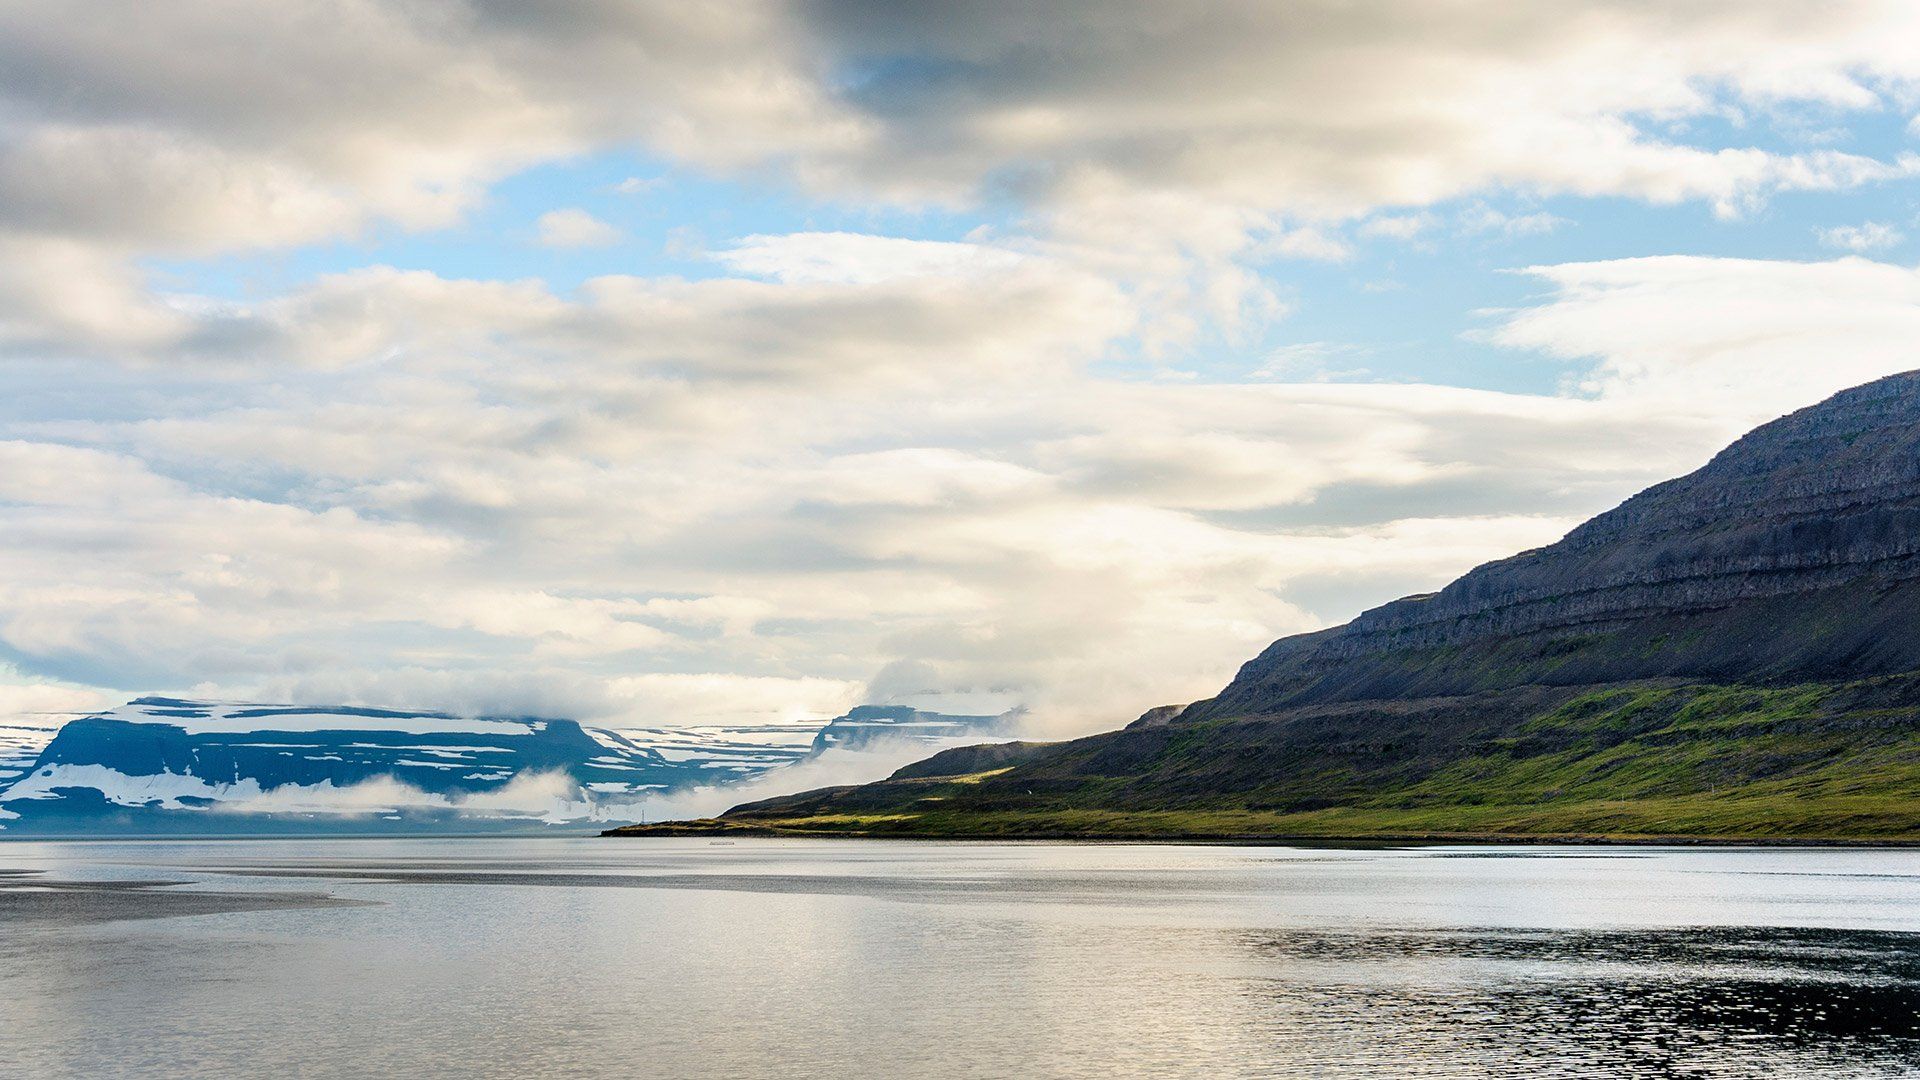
x: 870, y: 727
x: 1734, y: 653
x: 164, y: 765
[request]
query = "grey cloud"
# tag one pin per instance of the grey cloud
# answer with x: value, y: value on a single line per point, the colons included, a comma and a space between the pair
x: 1334, y: 107
x: 186, y: 126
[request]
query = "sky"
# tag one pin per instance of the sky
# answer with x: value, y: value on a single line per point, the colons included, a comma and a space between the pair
x: 661, y: 363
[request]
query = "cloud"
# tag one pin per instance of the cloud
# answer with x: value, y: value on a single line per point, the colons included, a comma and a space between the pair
x: 1397, y: 226
x: 1481, y: 218
x: 40, y: 703
x: 553, y: 797
x: 1308, y: 243
x: 860, y: 259
x: 1310, y: 361
x: 404, y: 111
x: 720, y: 698
x: 1334, y: 109
x: 650, y: 499
x: 737, y: 501
x: 575, y: 228
x: 1864, y: 237
x: 1163, y: 149
x: 310, y: 120
x: 1741, y: 340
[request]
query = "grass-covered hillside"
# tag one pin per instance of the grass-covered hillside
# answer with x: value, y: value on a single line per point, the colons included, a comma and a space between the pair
x: 1643, y: 761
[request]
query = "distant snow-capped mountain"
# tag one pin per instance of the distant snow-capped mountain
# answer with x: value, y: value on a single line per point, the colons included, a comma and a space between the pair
x: 170, y: 765
x: 173, y: 766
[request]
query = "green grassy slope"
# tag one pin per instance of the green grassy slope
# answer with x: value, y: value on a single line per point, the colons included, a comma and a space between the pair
x: 1815, y: 761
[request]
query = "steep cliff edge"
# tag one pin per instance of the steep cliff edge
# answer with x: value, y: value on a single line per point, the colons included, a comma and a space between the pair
x: 1728, y: 654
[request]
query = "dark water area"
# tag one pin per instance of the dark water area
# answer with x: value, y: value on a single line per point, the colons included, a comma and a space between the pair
x: 685, y: 958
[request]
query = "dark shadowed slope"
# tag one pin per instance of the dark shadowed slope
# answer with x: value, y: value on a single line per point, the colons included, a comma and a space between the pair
x: 1732, y: 653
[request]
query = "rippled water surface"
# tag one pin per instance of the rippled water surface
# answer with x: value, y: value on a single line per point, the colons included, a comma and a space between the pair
x: 874, y: 959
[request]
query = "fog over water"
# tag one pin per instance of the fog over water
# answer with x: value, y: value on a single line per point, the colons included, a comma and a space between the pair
x: 576, y: 957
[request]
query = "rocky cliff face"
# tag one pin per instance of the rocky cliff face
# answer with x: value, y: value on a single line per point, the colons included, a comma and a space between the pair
x: 1792, y: 554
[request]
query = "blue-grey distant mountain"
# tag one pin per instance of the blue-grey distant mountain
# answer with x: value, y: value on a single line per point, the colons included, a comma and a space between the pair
x: 162, y: 765
x: 870, y: 727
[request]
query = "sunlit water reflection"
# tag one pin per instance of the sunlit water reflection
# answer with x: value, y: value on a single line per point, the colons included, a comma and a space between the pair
x: 879, y: 959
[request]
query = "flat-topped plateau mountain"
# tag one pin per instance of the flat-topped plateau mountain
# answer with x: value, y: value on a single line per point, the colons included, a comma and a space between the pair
x: 1731, y: 654
x: 161, y: 765
x: 165, y: 765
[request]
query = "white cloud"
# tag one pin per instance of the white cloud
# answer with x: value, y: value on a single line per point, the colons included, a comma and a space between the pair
x: 550, y: 796
x: 1738, y: 339
x: 861, y: 259
x: 785, y: 487
x: 1397, y: 226
x: 575, y: 228
x: 1482, y: 218
x: 717, y: 698
x: 1308, y: 243
x: 1310, y: 361
x: 1864, y: 237
x: 41, y: 703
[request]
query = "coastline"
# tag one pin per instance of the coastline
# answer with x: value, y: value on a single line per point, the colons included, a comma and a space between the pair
x: 719, y: 828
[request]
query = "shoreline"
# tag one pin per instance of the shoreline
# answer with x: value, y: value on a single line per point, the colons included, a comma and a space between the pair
x: 702, y: 829
x: 1294, y: 840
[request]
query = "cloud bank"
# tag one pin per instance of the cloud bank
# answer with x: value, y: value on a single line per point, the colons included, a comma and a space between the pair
x: 652, y: 498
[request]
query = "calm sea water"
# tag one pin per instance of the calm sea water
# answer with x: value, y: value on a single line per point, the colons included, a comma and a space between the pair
x: 684, y: 958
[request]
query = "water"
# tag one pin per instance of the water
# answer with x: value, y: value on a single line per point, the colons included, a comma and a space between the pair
x: 683, y: 958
